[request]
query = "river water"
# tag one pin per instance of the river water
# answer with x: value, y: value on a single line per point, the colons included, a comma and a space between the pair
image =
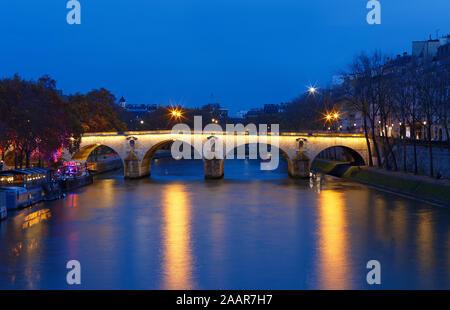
x: 252, y: 230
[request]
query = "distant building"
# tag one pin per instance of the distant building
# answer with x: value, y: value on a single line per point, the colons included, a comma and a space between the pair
x: 141, y: 108
x: 437, y: 53
x: 425, y: 49
x: 429, y: 49
x: 352, y: 121
x: 443, y: 54
x: 123, y: 102
x: 138, y: 109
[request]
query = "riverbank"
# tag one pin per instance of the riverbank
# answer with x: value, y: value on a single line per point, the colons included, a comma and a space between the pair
x: 20, y: 197
x: 406, y: 184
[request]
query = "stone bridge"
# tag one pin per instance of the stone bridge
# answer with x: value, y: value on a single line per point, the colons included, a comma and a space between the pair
x: 136, y: 149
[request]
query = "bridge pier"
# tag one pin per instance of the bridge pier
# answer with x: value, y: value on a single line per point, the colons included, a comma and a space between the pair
x: 300, y: 167
x: 213, y: 168
x: 132, y: 167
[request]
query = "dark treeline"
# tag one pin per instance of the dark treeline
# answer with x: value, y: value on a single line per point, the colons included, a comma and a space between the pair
x: 36, y: 121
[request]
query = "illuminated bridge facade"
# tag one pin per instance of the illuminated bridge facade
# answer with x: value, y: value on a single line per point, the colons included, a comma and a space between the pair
x: 136, y: 149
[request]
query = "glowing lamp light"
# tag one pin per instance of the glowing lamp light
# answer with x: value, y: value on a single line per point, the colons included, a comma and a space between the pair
x: 176, y: 113
x: 312, y: 90
x: 328, y: 117
x: 336, y: 115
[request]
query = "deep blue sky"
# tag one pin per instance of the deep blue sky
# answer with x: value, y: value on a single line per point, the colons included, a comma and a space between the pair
x: 247, y: 52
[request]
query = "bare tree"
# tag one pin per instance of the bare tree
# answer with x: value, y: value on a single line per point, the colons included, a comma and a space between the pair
x: 428, y: 91
x: 443, y: 93
x: 366, y: 93
x: 403, y: 109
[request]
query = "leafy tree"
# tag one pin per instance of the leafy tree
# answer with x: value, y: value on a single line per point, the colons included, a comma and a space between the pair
x: 97, y: 111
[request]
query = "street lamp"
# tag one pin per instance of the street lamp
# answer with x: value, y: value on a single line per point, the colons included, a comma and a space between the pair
x: 175, y: 113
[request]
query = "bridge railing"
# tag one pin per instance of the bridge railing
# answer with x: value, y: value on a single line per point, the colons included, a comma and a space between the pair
x: 282, y: 133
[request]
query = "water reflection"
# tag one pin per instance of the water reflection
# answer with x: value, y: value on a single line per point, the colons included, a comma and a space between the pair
x: 24, y: 246
x: 73, y: 197
x: 425, y: 238
x: 248, y: 231
x: 177, y: 261
x: 333, y: 245
x: 36, y: 217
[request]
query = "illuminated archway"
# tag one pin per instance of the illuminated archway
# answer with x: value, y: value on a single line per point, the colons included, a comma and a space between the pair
x: 357, y: 158
x: 149, y: 155
x: 83, y: 153
x: 283, y: 152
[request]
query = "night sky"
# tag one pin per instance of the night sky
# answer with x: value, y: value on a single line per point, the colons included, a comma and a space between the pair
x: 246, y: 52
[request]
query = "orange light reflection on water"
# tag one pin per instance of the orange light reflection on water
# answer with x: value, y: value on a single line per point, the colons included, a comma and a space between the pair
x: 36, y: 217
x: 177, y: 262
x: 333, y: 243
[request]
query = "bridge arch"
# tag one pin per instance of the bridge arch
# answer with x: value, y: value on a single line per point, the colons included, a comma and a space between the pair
x: 150, y: 153
x: 258, y: 144
x: 357, y: 158
x: 83, y: 153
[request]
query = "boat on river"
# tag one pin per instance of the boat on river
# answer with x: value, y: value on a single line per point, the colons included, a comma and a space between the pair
x: 74, y: 174
x: 18, y: 197
x: 24, y: 187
